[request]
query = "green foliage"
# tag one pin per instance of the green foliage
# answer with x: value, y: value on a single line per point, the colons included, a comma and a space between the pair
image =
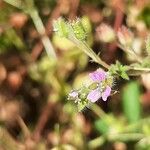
x: 108, y: 125
x: 131, y: 102
x: 120, y: 70
x: 72, y: 38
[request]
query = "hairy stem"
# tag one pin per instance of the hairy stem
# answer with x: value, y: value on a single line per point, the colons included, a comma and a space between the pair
x: 86, y: 49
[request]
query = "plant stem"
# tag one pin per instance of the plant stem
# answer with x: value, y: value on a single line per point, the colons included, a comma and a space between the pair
x: 41, y: 30
x: 140, y: 69
x: 97, y: 142
x: 38, y: 24
x: 124, y: 137
x: 86, y: 49
x: 97, y: 110
x: 23, y: 126
x: 131, y: 52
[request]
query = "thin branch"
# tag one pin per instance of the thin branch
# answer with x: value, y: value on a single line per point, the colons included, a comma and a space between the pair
x: 23, y: 126
x: 41, y: 30
x: 47, y: 111
x: 86, y: 49
x: 131, y: 52
x: 97, y: 110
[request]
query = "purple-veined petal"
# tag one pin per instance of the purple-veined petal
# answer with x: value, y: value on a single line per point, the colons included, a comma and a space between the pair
x: 98, y: 75
x: 106, y: 93
x: 94, y: 95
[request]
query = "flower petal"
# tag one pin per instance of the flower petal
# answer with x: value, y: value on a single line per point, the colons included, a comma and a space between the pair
x: 106, y: 93
x: 98, y: 75
x: 94, y: 95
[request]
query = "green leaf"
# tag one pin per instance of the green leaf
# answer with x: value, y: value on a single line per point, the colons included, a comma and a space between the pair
x: 124, y: 76
x: 131, y: 102
x: 119, y: 69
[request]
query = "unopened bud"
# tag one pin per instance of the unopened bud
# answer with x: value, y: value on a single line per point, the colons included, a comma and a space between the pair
x: 125, y: 36
x: 60, y: 27
x: 105, y: 33
x: 78, y: 29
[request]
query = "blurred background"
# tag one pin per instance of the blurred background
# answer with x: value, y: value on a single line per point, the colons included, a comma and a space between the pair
x: 34, y: 111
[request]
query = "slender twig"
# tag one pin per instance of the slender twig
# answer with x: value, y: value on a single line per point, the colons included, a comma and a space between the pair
x: 86, y: 49
x: 41, y: 30
x: 97, y: 142
x: 97, y: 110
x: 42, y: 121
x: 125, y: 137
x: 23, y: 126
x: 140, y: 69
x: 131, y: 52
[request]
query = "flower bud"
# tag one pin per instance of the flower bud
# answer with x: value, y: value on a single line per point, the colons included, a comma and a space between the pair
x: 125, y: 36
x: 60, y: 27
x: 78, y: 29
x: 105, y: 33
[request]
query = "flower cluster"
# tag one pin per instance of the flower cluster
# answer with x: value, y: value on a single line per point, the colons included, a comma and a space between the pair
x: 99, y: 87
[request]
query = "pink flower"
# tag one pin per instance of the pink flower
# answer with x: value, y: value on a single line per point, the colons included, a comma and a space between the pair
x: 94, y: 95
x: 106, y: 93
x: 98, y: 75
